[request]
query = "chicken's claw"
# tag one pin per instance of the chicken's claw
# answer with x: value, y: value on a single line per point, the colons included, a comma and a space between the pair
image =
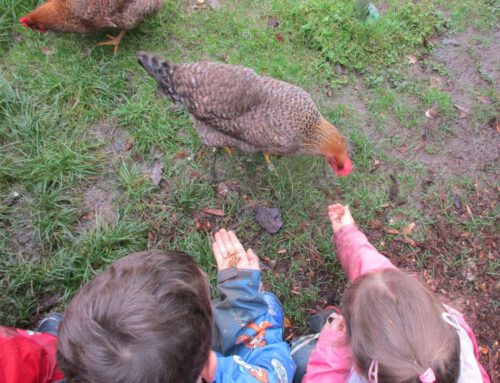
x: 267, y: 158
x: 114, y: 40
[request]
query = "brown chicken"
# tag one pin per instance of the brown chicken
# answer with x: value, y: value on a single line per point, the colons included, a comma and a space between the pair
x: 232, y: 106
x: 84, y: 16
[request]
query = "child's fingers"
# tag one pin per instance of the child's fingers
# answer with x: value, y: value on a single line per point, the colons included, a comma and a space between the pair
x: 220, y: 242
x: 236, y: 243
x: 219, y: 258
x: 227, y: 242
x: 253, y: 260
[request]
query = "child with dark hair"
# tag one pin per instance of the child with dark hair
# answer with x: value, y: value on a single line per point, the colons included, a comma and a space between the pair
x: 148, y: 318
x: 392, y: 328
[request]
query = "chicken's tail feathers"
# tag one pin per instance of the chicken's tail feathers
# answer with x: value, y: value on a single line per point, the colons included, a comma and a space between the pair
x: 156, y: 66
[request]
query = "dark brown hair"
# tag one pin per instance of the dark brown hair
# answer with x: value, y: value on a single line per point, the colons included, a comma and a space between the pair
x: 146, y: 318
x: 392, y: 318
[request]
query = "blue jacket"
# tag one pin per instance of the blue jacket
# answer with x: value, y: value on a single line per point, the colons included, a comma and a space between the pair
x: 248, y: 333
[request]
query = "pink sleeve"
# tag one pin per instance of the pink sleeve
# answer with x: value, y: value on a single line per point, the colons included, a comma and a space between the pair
x: 357, y: 256
x: 470, y: 334
x: 331, y: 360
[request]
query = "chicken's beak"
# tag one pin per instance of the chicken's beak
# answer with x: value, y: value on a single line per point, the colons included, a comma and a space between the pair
x: 345, y: 170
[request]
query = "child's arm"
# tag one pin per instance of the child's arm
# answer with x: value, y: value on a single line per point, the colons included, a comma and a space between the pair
x: 331, y: 359
x: 238, y: 283
x: 357, y: 256
x: 27, y: 357
x: 249, y: 323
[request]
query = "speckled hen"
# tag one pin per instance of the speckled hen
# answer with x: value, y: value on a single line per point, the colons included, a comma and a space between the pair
x: 84, y: 16
x: 232, y: 106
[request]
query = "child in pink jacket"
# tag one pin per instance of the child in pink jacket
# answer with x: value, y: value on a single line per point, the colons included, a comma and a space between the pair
x: 392, y: 328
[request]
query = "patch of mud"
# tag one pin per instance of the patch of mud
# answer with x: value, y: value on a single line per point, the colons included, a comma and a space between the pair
x: 99, y: 206
x: 119, y: 141
x: 449, y: 146
x: 471, y: 64
x: 99, y: 199
x: 18, y: 228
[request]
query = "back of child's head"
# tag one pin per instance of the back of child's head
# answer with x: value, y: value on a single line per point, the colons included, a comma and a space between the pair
x: 395, y: 323
x: 146, y: 318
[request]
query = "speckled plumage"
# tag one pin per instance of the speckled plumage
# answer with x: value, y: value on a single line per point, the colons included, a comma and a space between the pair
x: 121, y: 14
x: 233, y: 106
x: 83, y: 16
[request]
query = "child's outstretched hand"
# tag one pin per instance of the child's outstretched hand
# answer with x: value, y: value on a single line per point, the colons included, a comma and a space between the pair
x: 339, y: 216
x: 229, y: 252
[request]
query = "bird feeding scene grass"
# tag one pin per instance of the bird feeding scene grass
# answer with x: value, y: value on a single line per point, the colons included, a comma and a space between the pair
x: 96, y: 163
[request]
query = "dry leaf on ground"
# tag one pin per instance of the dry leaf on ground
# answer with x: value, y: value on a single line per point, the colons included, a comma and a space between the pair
x: 217, y: 212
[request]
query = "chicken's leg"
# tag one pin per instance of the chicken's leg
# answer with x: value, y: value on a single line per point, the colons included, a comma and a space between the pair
x: 267, y: 158
x: 114, y: 40
x: 228, y: 150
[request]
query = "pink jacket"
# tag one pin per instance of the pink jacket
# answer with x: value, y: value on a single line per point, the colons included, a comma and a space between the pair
x: 331, y: 360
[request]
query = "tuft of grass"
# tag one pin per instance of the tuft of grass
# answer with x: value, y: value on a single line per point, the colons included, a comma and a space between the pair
x: 335, y: 29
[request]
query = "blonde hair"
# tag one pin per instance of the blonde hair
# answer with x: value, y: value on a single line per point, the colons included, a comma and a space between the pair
x: 395, y: 320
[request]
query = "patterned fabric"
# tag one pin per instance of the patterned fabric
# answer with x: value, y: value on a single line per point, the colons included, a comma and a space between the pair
x: 249, y: 331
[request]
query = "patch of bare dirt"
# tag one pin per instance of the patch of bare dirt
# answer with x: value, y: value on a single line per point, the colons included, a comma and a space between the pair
x: 99, y: 199
x: 99, y: 206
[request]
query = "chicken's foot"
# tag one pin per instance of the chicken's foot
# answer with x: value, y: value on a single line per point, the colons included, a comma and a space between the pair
x: 114, y: 40
x: 267, y: 158
x: 228, y: 150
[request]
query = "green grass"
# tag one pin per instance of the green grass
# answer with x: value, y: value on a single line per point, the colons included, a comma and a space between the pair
x: 57, y: 91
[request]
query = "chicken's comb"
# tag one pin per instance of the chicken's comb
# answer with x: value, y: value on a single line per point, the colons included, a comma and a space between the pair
x: 24, y: 21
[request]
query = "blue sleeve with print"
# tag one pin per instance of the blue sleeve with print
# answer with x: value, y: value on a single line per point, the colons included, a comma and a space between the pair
x: 249, y: 327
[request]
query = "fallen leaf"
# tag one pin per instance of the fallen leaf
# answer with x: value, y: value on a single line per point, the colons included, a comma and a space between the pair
x: 412, y: 59
x: 468, y: 210
x: 376, y: 165
x: 403, y: 149
x: 433, y: 111
x: 392, y: 231
x: 408, y: 241
x: 279, y: 38
x: 267, y: 260
x: 287, y: 323
x: 129, y: 144
x: 269, y: 218
x: 156, y: 173
x: 202, y: 225
x: 290, y: 337
x: 217, y: 212
x: 464, y: 112
x: 483, y: 99
x: 484, y: 350
x: 408, y: 229
x: 180, y: 155
x: 441, y: 229
x: 376, y: 224
x: 430, y: 40
x: 273, y: 22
